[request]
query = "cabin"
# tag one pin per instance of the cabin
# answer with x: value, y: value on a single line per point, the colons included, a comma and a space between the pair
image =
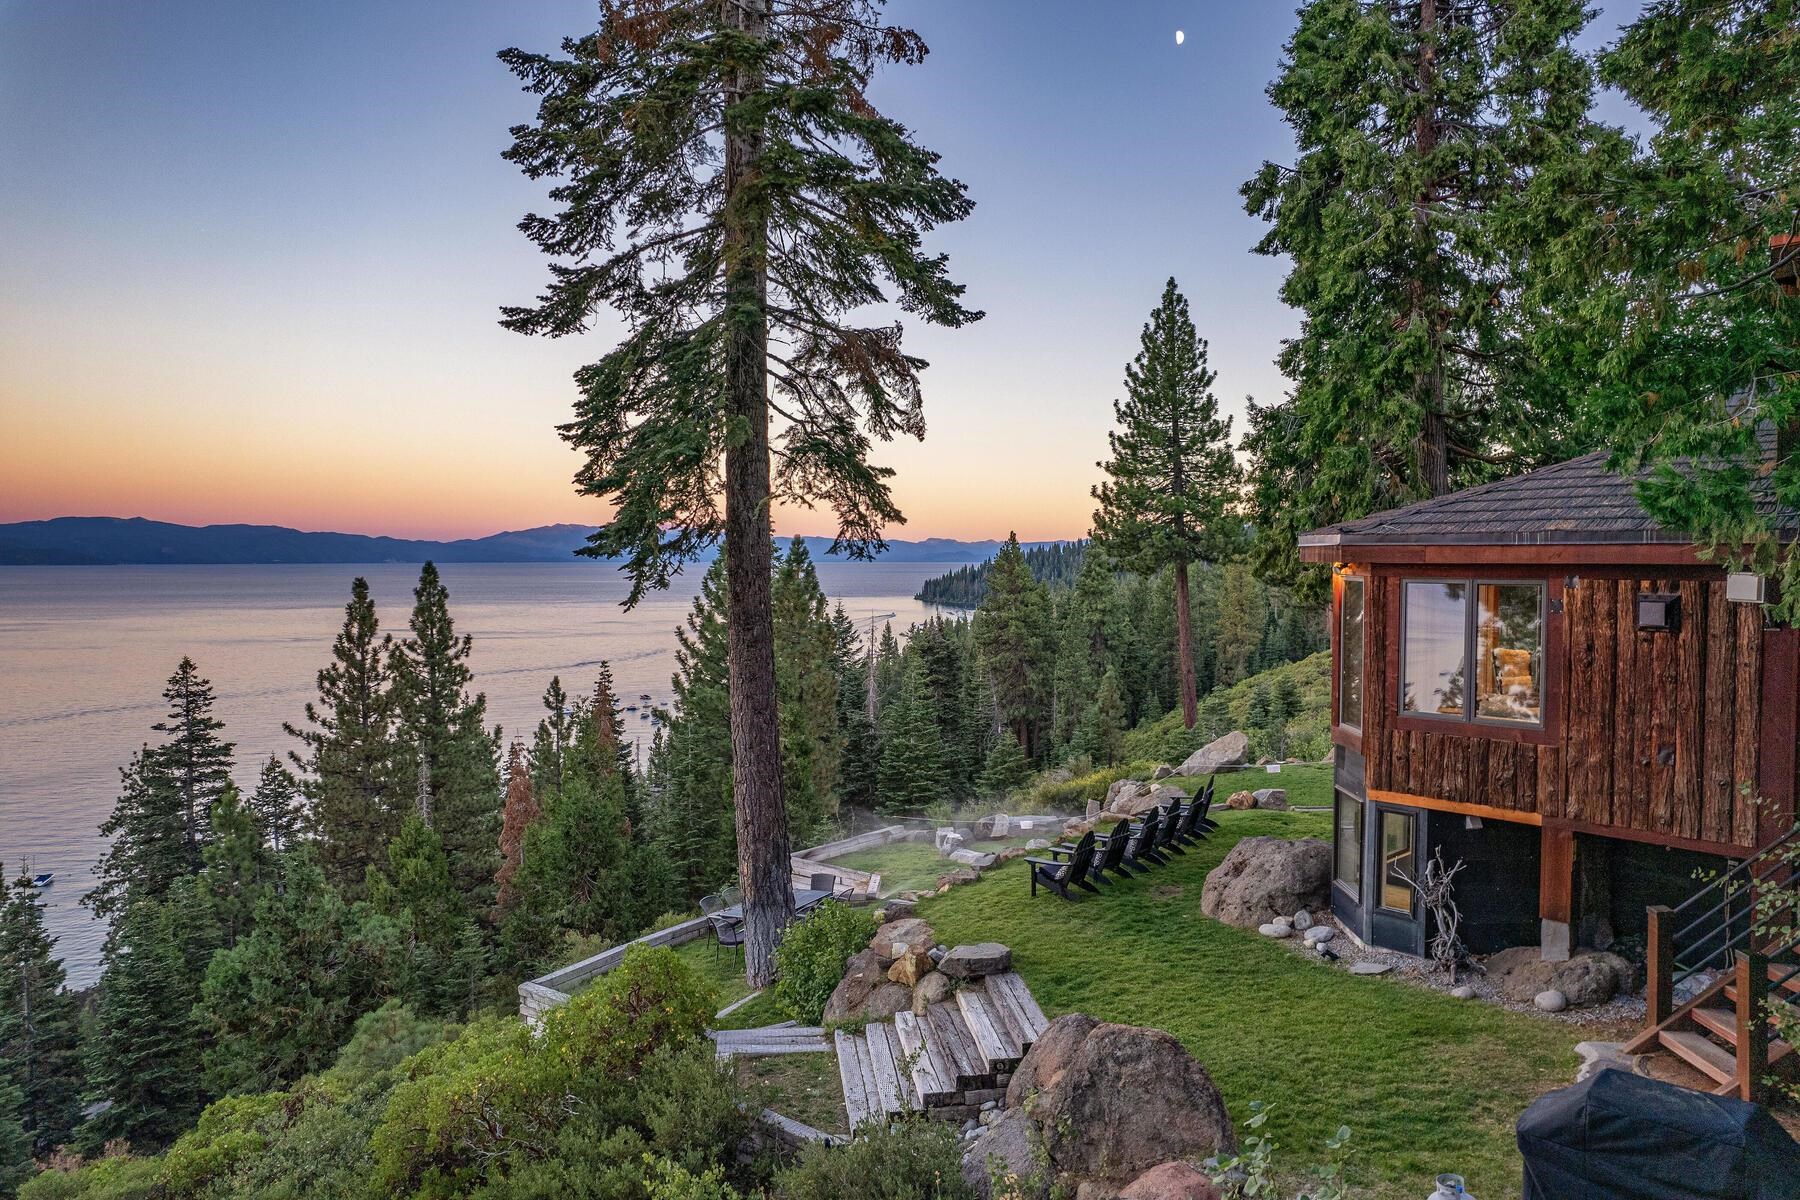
x: 1536, y: 678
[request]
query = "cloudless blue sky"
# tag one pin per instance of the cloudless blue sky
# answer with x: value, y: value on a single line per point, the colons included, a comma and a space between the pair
x: 251, y: 254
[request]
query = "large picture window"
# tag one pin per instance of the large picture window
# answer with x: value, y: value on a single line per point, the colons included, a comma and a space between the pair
x: 1350, y: 653
x: 1349, y: 821
x: 1473, y: 651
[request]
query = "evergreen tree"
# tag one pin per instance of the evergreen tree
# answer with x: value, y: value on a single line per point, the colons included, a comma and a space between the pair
x: 1084, y: 651
x: 806, y: 645
x: 1106, y: 721
x: 735, y: 272
x: 431, y: 918
x: 693, y: 819
x: 1442, y: 147
x: 355, y: 795
x: 550, y: 744
x: 16, y: 1165
x: 861, y: 755
x: 197, y: 759
x: 1171, y: 480
x: 1243, y: 615
x: 1261, y: 713
x: 235, y: 869
x: 1012, y: 631
x: 440, y: 736
x: 521, y: 811
x: 40, y: 1049
x: 275, y: 806
x: 1005, y: 768
x: 147, y: 850
x: 912, y: 774
x: 1689, y: 272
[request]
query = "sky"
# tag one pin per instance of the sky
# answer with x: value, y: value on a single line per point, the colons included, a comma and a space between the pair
x: 252, y: 254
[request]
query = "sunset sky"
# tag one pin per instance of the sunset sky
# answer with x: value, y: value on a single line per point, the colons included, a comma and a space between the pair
x: 251, y: 255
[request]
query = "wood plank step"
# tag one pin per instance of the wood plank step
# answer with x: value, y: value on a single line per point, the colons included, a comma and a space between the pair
x: 1007, y: 1010
x: 1701, y: 1052
x: 1015, y: 984
x: 895, y: 1096
x: 998, y: 1050
x: 865, y: 1061
x: 946, y: 1020
x: 1791, y: 1004
x: 930, y: 1084
x: 857, y: 1105
x: 1721, y: 1022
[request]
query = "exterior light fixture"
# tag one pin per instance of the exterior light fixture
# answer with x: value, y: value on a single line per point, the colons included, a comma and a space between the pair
x: 1747, y: 587
x: 1658, y: 612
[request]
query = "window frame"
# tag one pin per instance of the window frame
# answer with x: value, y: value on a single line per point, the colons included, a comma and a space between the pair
x: 1337, y: 679
x: 1471, y: 630
x: 1352, y: 889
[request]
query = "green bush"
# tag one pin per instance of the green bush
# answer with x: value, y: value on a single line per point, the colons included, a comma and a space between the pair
x: 113, y: 1178
x: 810, y: 960
x: 651, y: 999
x: 229, y: 1131
x: 384, y: 1038
x: 913, y: 1160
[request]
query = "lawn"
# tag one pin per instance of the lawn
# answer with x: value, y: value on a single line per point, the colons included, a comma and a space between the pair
x: 903, y: 866
x: 1308, y: 785
x: 1426, y: 1083
x: 806, y: 1087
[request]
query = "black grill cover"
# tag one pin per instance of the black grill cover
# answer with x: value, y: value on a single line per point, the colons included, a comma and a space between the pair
x: 1619, y: 1136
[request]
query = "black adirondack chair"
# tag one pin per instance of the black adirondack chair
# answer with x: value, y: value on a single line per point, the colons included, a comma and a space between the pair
x: 1198, y: 821
x: 1144, y: 836
x: 1109, y: 852
x: 1059, y: 876
x: 1168, y: 832
x: 1185, y: 815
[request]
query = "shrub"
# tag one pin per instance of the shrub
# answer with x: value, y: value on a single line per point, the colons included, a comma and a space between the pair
x: 229, y: 1131
x: 650, y: 1000
x: 112, y: 1178
x: 810, y: 960
x: 912, y: 1160
x: 672, y: 1181
x: 384, y: 1038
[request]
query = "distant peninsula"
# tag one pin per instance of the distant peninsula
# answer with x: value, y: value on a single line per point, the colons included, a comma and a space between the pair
x: 135, y: 541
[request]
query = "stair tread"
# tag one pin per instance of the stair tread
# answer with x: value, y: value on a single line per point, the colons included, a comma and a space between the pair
x: 1701, y: 1052
x: 947, y: 1019
x: 894, y: 1097
x: 992, y: 1041
x: 931, y: 1083
x: 1027, y: 1003
x: 1720, y: 1021
x: 857, y: 1105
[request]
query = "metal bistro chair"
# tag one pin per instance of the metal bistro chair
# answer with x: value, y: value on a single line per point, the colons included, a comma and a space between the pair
x: 831, y: 885
x: 726, y: 932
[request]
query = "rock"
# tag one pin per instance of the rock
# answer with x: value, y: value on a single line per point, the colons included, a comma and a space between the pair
x: 950, y: 879
x: 1303, y: 920
x: 1586, y: 978
x: 1147, y: 797
x: 1275, y: 931
x: 1162, y: 772
x: 1119, y: 787
x: 1038, y: 844
x: 1465, y: 992
x: 865, y: 991
x: 896, y: 909
x: 929, y: 990
x: 1012, y: 852
x: 910, y: 931
x: 946, y: 838
x: 977, y: 859
x: 1370, y: 968
x: 1318, y: 935
x: 975, y: 960
x: 1284, y: 922
x: 1241, y: 800
x: 1267, y: 877
x: 1048, y: 1057
x: 1275, y: 798
x: 1007, y: 1150
x: 1129, y: 1099
x: 1171, y: 1181
x: 1551, y: 1000
x: 994, y: 825
x: 1227, y: 751
x: 909, y: 968
x: 1073, y: 828
x: 1093, y: 810
x: 1599, y: 1056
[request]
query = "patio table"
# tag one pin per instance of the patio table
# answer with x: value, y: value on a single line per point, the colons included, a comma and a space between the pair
x: 805, y: 900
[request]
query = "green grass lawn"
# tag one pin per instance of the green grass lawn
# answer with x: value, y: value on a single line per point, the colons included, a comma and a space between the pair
x: 1308, y: 785
x: 806, y: 1087
x: 903, y: 866
x: 1427, y: 1083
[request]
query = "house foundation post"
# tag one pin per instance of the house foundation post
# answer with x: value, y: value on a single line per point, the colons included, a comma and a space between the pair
x: 1556, y: 893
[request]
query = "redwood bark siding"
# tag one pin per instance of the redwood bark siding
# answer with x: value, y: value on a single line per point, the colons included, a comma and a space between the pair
x: 1661, y: 733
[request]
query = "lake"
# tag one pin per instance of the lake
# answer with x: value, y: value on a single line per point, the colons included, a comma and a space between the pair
x: 84, y: 653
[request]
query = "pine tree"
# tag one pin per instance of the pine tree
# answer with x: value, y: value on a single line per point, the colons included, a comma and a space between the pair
x: 275, y: 806
x: 911, y: 774
x: 1243, y: 615
x: 440, y: 736
x: 861, y: 755
x: 806, y: 645
x: 1171, y: 480
x: 355, y: 795
x: 1106, y: 720
x: 519, y: 814
x: 694, y: 823
x: 1012, y: 629
x: 1442, y: 148
x: 1005, y: 768
x: 236, y: 867
x: 147, y: 850
x: 732, y: 283
x: 40, y: 1048
x: 1083, y: 648
x: 550, y: 743
x: 197, y: 760
x: 16, y: 1165
x: 416, y: 893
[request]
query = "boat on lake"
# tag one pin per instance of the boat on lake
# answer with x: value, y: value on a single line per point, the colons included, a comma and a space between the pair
x: 43, y: 879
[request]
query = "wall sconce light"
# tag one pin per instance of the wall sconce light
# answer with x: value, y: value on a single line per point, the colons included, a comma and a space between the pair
x: 1747, y: 587
x: 1471, y: 822
x: 1658, y: 612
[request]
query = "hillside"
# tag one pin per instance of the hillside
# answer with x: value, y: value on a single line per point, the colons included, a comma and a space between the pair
x: 1054, y: 563
x: 1305, y: 734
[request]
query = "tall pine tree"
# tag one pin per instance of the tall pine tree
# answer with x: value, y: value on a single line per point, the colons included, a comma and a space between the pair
x: 911, y: 775
x: 275, y: 806
x: 735, y: 275
x: 197, y: 759
x: 40, y: 1043
x: 1012, y: 630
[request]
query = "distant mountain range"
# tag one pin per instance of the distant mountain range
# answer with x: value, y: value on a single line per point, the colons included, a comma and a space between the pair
x: 118, y: 541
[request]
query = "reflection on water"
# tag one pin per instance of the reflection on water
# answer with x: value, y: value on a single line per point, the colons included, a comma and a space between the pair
x: 84, y: 652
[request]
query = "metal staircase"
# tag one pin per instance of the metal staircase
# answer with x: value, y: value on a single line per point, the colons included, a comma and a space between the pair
x: 1737, y: 940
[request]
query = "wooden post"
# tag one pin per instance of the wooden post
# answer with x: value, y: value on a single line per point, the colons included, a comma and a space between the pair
x: 1752, y: 1024
x: 1659, y: 986
x: 1556, y: 892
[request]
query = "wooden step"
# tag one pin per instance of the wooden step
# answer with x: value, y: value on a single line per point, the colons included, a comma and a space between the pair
x: 860, y: 1102
x: 946, y: 1021
x: 993, y: 1041
x: 1702, y: 1053
x: 1015, y: 998
x: 895, y: 1095
x: 1720, y: 1022
x: 933, y: 1082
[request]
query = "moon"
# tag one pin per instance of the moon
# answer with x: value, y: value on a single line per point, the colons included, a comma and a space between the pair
x: 1180, y: 37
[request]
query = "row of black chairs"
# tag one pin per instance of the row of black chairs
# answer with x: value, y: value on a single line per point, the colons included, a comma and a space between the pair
x: 1132, y: 848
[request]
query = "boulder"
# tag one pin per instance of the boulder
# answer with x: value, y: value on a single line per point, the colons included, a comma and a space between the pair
x: 1241, y: 800
x: 950, y: 879
x: 1147, y: 797
x: 1092, y: 811
x: 1275, y: 931
x: 977, y: 859
x: 975, y: 960
x: 1048, y: 1057
x: 1075, y: 827
x: 1275, y: 798
x: 929, y: 990
x: 1128, y: 1099
x: 1318, y: 935
x: 1303, y: 920
x: 1465, y: 992
x: 1012, y: 852
x: 1266, y: 877
x: 910, y: 967
x: 1007, y: 1151
x: 1228, y: 751
x: 1586, y: 978
x: 1171, y: 1181
x: 1551, y: 1001
x: 865, y: 991
x: 1162, y: 772
x: 994, y: 825
x: 911, y: 932
x: 895, y: 909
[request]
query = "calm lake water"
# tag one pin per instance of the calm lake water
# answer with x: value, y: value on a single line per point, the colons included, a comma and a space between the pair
x: 84, y: 653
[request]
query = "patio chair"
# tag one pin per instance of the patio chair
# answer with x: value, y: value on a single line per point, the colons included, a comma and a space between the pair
x: 1169, y: 829
x: 732, y: 895
x: 712, y: 904
x: 727, y: 934
x: 1204, y: 823
x: 1058, y: 876
x: 825, y: 881
x: 1143, y: 848
x: 1109, y: 853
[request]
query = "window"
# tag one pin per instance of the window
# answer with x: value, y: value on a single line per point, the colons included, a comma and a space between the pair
x: 1349, y: 823
x: 1397, y: 861
x: 1350, y: 654
x: 1495, y: 628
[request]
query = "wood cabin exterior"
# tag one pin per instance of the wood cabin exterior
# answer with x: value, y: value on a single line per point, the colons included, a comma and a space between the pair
x: 1535, y: 678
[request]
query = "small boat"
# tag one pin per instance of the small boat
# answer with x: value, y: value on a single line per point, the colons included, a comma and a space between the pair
x: 631, y: 708
x: 643, y: 716
x: 43, y: 879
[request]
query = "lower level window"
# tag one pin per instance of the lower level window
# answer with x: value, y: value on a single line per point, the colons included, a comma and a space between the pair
x: 1349, y: 820
x: 1397, y: 861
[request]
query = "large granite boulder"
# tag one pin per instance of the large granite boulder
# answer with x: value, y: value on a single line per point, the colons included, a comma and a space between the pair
x: 1009, y: 1152
x: 1171, y: 1181
x: 1146, y: 797
x: 908, y: 931
x: 1241, y: 800
x: 928, y: 991
x: 865, y: 992
x: 1048, y: 1057
x: 1228, y: 751
x: 1586, y: 978
x: 976, y: 959
x: 1275, y: 798
x: 1128, y: 1099
x: 1268, y: 877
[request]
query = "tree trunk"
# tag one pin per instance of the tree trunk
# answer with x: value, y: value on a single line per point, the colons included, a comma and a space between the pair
x: 1184, y: 647
x: 1434, y: 430
x: 762, y: 834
